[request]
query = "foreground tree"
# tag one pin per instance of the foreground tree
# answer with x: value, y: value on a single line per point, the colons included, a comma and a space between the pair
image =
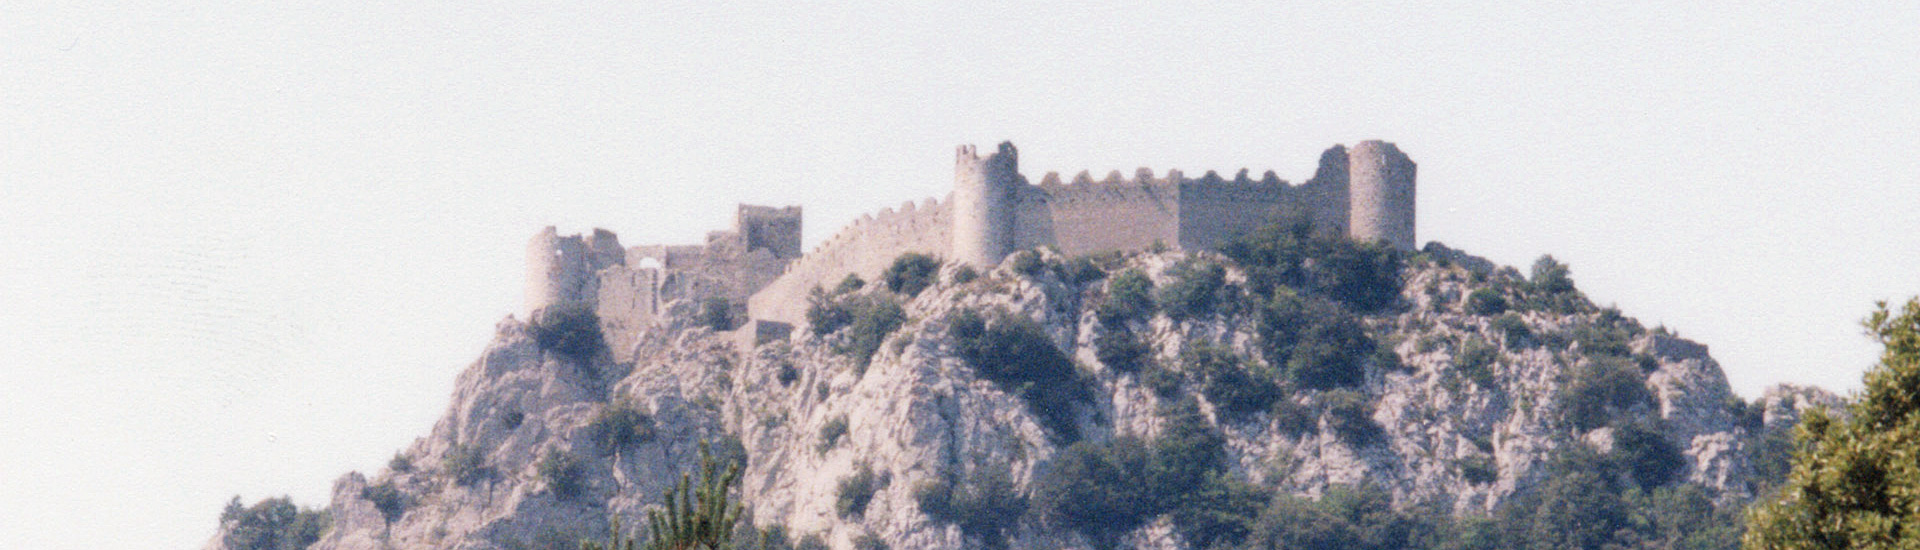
x: 1856, y: 481
x: 697, y: 517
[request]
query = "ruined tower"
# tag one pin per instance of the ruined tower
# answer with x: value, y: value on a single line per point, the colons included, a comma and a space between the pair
x: 1380, y: 180
x: 562, y: 269
x: 983, y: 204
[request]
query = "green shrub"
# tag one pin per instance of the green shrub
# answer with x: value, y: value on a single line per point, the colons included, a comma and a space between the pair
x: 1475, y: 361
x: 619, y: 425
x: 1163, y: 381
x: 1096, y: 489
x: 985, y: 505
x: 272, y: 524
x: 466, y: 463
x: 1017, y: 356
x: 1197, y: 288
x: 1513, y: 330
x: 1080, y: 270
x: 1229, y: 382
x: 831, y: 432
x: 513, y: 419
x: 787, y: 374
x: 1551, y: 289
x: 1316, y: 343
x: 1027, y: 262
x: 715, y: 314
x: 849, y: 284
x: 1129, y: 298
x: 965, y: 274
x: 874, y: 318
x: 1597, y: 339
x: 1650, y: 459
x: 911, y: 273
x: 561, y: 473
x: 387, y: 499
x: 1599, y: 389
x: 1122, y: 350
x: 1293, y: 418
x: 866, y: 541
x: 400, y: 463
x: 1364, y: 276
x: 1219, y: 512
x: 570, y: 328
x: 811, y: 542
x: 1486, y: 301
x: 1346, y: 517
x: 1350, y: 416
x: 855, y: 492
x: 1478, y: 469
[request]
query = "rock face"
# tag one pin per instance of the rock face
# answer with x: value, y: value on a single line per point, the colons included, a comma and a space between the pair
x: 527, y: 458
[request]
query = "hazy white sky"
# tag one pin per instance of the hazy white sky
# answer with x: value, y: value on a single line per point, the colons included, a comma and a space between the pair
x: 247, y: 246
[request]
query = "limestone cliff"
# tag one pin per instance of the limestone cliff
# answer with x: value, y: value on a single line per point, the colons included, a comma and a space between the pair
x: 1468, y: 407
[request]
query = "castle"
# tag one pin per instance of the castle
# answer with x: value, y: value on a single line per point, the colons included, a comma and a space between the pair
x: 1365, y: 192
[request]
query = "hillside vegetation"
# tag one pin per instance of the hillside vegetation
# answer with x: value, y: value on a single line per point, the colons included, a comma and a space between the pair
x: 1286, y: 391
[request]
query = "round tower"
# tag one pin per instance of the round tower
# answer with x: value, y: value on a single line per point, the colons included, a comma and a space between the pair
x: 983, y: 191
x: 1380, y: 186
x: 557, y: 269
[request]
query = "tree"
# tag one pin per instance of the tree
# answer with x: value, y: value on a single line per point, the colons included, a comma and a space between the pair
x: 1856, y: 480
x: 697, y: 517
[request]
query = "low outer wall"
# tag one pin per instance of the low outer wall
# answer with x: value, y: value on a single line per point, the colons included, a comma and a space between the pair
x: 864, y: 248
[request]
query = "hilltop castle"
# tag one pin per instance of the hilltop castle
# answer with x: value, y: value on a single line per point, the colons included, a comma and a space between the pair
x: 1366, y: 192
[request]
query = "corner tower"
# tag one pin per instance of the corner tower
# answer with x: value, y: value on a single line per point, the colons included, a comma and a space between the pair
x: 1380, y: 183
x: 983, y: 209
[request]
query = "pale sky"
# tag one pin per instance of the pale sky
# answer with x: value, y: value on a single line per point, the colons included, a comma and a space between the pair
x: 247, y: 246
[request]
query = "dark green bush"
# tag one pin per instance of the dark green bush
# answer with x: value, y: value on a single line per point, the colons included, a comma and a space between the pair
x: 1597, y: 339
x: 1513, y: 330
x: 1163, y: 381
x: 1129, y: 298
x: 1316, y: 343
x: 715, y: 313
x: 855, y: 492
x: 1364, y: 276
x: 1346, y: 518
x: 1551, y: 289
x: 466, y: 463
x: 811, y: 542
x: 619, y: 425
x: 911, y: 273
x: 562, y: 474
x: 1293, y: 418
x: 1650, y: 459
x: 1478, y: 469
x: 1228, y: 381
x: 1096, y: 489
x: 1197, y: 289
x: 831, y: 432
x: 849, y: 284
x: 400, y: 463
x: 965, y: 274
x: 1486, y: 301
x: 387, y: 499
x: 1027, y: 262
x: 985, y: 505
x: 1122, y: 350
x: 787, y: 374
x: 272, y: 524
x: 1017, y: 356
x: 1350, y: 416
x: 1475, y: 361
x: 570, y: 328
x: 1080, y: 270
x: 874, y: 318
x: 1599, y: 389
x: 867, y: 541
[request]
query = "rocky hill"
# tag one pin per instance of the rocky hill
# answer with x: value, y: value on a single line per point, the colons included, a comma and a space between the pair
x: 1163, y: 400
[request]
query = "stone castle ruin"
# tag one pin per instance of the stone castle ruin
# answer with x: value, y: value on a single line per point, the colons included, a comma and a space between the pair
x: 1365, y: 192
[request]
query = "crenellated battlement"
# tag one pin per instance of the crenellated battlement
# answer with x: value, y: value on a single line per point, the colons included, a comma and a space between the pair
x: 1366, y: 192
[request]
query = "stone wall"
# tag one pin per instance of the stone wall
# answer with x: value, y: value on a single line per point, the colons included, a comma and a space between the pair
x: 864, y: 248
x: 1112, y: 214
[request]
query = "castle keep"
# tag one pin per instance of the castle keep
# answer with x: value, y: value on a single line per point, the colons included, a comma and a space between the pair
x: 1365, y: 192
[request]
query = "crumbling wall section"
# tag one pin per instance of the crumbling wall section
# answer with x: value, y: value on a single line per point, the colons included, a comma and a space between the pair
x: 864, y: 248
x: 1214, y: 210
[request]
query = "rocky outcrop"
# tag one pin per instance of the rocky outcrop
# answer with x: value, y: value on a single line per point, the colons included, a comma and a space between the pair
x: 523, y: 459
